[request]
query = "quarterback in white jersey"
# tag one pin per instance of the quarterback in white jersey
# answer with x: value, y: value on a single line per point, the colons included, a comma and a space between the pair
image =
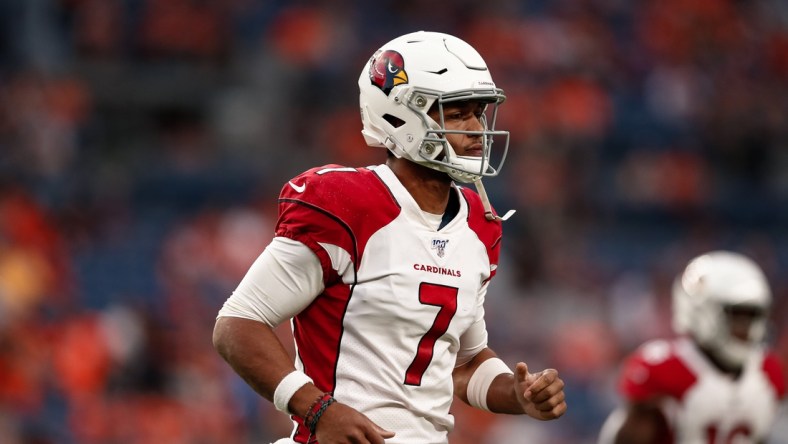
x: 383, y: 270
x: 716, y: 383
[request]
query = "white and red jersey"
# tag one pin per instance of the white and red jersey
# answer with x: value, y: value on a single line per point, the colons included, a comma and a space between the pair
x: 702, y: 404
x: 399, y: 295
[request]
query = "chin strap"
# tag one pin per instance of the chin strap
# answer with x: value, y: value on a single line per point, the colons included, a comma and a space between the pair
x: 488, y: 212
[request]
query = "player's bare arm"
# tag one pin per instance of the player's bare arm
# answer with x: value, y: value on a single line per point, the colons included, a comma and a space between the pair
x: 644, y: 423
x: 254, y: 351
x: 539, y: 395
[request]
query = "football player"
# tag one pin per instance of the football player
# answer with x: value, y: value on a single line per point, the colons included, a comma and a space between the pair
x: 716, y: 382
x: 382, y: 271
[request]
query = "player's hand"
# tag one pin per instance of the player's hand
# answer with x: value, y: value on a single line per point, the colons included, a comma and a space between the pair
x: 540, y: 394
x: 342, y: 424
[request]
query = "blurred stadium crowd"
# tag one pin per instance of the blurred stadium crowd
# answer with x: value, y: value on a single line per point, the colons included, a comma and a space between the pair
x: 143, y: 144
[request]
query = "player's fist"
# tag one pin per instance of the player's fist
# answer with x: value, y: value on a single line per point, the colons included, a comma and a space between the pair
x: 342, y: 424
x: 540, y: 394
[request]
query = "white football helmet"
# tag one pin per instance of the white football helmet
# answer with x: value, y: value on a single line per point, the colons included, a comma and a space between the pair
x: 710, y: 284
x: 404, y: 78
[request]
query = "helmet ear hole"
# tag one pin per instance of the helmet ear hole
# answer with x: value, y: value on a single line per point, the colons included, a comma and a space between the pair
x: 394, y: 121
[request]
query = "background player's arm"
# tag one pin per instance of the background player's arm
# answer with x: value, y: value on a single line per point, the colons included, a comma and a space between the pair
x: 643, y: 423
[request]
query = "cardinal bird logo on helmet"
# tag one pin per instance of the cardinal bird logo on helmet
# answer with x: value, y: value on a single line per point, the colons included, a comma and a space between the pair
x: 387, y: 70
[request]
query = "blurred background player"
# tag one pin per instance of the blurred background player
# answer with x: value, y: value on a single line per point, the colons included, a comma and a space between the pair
x: 384, y: 270
x: 716, y: 383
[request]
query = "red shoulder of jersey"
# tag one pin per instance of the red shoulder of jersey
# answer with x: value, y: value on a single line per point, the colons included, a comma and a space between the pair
x: 774, y: 370
x: 336, y: 205
x: 654, y: 370
x: 490, y: 232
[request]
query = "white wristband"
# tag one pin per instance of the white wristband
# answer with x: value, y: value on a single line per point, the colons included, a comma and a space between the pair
x: 482, y: 378
x: 287, y: 388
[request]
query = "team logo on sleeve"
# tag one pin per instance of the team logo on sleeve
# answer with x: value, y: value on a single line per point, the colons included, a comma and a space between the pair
x: 439, y: 245
x: 387, y: 70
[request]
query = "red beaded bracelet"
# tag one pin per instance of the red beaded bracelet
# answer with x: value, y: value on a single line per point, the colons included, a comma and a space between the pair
x: 316, y: 411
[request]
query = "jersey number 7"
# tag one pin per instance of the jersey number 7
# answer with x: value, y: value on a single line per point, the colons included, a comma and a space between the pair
x: 439, y: 296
